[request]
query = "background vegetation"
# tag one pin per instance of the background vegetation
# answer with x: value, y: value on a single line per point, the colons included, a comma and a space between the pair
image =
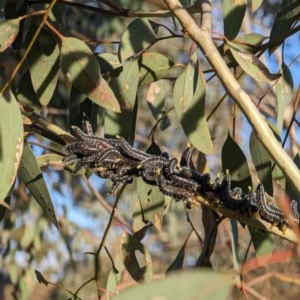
x: 61, y: 236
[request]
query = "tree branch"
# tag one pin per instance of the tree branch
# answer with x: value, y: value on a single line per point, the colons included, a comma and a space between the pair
x: 202, y: 37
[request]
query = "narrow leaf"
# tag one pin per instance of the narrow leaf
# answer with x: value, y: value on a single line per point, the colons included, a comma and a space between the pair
x: 81, y: 68
x: 233, y: 13
x: 287, y: 14
x: 26, y: 94
x: 152, y: 203
x: 8, y: 32
x: 289, y: 188
x: 263, y: 243
x: 138, y: 36
x: 189, y: 103
x: 43, y: 61
x: 177, y: 264
x: 153, y: 66
x: 30, y: 173
x: 156, y: 97
x: 234, y: 160
x: 125, y: 89
x: 40, y: 277
x: 129, y: 248
x: 111, y: 285
x: 251, y: 64
x: 11, y: 141
x: 262, y: 162
x: 108, y: 62
x: 284, y: 90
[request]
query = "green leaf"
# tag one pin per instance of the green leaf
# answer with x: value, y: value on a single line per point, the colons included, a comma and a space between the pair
x: 111, y: 285
x: 197, y: 284
x: 178, y: 261
x: 263, y: 243
x: 8, y: 32
x: 255, y: 4
x: 284, y: 90
x: 40, y: 277
x: 287, y: 14
x: 43, y: 61
x: 156, y: 97
x: 27, y: 236
x: 81, y: 68
x: 26, y: 284
x: 262, y: 162
x: 289, y: 188
x: 189, y: 103
x: 249, y: 42
x: 46, y: 159
x: 277, y: 174
x: 11, y: 141
x: 153, y: 66
x: 138, y: 36
x: 125, y: 88
x: 140, y: 271
x: 234, y: 160
x: 108, y: 62
x: 26, y: 94
x: 30, y: 173
x: 152, y: 203
x: 233, y: 13
x: 251, y: 64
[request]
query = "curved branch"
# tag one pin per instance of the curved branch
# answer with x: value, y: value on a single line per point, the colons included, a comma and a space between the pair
x: 202, y: 37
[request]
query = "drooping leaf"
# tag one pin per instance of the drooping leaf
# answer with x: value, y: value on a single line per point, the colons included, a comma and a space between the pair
x: 197, y: 284
x: 138, y: 36
x: 26, y: 94
x: 287, y: 14
x: 251, y: 64
x: 111, y: 285
x: 277, y: 174
x: 152, y: 203
x: 57, y: 13
x: 27, y: 236
x: 248, y: 42
x: 27, y: 284
x: 177, y: 264
x: 125, y: 88
x: 43, y: 61
x: 189, y: 103
x: 108, y: 62
x: 235, y: 243
x: 156, y: 97
x: 140, y: 271
x: 153, y: 66
x: 263, y: 245
x: 289, y: 188
x: 11, y: 141
x: 234, y: 160
x: 13, y: 11
x: 40, y: 277
x: 81, y: 68
x: 284, y: 90
x: 30, y: 173
x: 233, y: 13
x: 8, y: 32
x: 262, y: 162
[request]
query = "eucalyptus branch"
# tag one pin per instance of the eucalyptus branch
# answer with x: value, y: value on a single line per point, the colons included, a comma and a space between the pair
x: 202, y: 37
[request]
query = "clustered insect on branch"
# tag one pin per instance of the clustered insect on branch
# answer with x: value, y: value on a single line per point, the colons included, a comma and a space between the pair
x: 117, y: 160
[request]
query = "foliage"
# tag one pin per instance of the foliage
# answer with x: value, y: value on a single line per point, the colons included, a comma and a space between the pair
x: 104, y: 59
